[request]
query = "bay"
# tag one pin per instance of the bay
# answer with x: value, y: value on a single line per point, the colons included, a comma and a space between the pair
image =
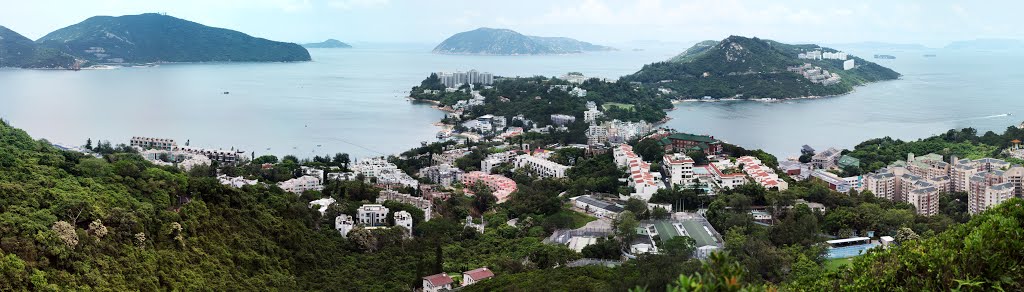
x: 353, y: 101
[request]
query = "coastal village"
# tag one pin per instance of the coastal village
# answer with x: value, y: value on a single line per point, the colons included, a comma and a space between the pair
x: 488, y: 159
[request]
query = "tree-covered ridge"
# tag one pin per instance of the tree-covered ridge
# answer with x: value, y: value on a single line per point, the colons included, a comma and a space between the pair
x: 159, y: 38
x: 20, y: 52
x: 753, y: 68
x: 491, y: 41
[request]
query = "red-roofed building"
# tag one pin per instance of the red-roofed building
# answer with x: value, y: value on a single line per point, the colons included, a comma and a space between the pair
x: 470, y: 277
x: 435, y: 283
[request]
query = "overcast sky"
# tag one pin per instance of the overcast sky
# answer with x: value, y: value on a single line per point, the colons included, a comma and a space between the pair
x: 932, y: 23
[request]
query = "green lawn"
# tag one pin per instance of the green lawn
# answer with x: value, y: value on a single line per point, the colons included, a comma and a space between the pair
x: 616, y: 104
x: 835, y: 264
x: 578, y: 219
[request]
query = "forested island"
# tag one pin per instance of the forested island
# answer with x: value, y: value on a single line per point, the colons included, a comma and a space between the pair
x: 752, y: 68
x: 328, y: 44
x: 144, y: 38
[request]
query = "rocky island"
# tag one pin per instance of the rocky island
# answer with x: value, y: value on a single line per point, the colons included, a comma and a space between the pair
x: 328, y: 44
x: 492, y: 41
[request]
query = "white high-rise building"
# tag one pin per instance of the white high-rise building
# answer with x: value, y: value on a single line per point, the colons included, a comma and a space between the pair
x: 679, y: 168
x: 404, y: 219
x: 848, y: 64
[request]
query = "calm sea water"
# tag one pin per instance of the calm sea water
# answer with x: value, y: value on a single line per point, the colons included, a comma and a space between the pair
x: 346, y: 100
x: 951, y: 90
x: 352, y: 100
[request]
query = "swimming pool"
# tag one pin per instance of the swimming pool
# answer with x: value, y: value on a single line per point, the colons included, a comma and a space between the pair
x: 849, y: 251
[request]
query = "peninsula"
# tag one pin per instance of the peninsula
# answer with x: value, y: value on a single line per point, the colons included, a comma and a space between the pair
x: 752, y: 68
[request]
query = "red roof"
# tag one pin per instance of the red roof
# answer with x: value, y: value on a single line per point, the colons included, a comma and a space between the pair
x: 479, y: 274
x: 439, y: 279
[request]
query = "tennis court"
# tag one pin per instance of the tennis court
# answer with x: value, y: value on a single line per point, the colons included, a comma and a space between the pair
x: 692, y: 228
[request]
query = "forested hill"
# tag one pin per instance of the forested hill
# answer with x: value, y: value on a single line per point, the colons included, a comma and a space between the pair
x: 73, y: 222
x: 20, y: 52
x: 491, y: 41
x: 160, y: 38
x: 740, y: 67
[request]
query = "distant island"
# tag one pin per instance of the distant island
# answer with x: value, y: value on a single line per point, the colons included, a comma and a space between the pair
x: 882, y: 56
x: 328, y: 44
x: 17, y: 51
x: 151, y: 37
x: 492, y: 41
x: 751, y: 68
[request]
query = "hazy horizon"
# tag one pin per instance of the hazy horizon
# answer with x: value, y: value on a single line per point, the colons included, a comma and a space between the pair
x: 933, y: 24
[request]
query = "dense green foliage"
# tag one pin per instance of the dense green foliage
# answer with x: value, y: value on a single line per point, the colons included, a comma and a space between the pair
x: 19, y: 51
x: 491, y: 41
x: 752, y: 68
x: 153, y: 37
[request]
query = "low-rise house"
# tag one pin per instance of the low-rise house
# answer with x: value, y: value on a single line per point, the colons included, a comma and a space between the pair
x: 301, y: 184
x: 437, y: 283
x: 442, y: 174
x: 237, y: 182
x: 404, y: 219
x: 761, y: 173
x: 344, y: 224
x: 477, y: 275
x: 562, y: 120
x: 541, y: 166
x: 420, y: 203
x: 322, y: 205
x: 597, y: 207
x: 501, y: 187
x: 826, y: 159
x: 372, y: 215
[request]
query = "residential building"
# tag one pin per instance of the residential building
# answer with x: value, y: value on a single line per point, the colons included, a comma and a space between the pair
x: 404, y: 219
x: 848, y: 64
x: 153, y: 143
x: 501, y: 187
x: 619, y: 132
x: 574, y: 77
x: 725, y: 180
x: 682, y: 142
x: 836, y: 183
x: 761, y: 173
x: 457, y: 79
x: 641, y: 179
x: 322, y: 205
x: 476, y: 275
x: 578, y: 92
x: 221, y: 156
x: 442, y: 174
x: 597, y: 135
x: 449, y: 156
x: 421, y: 203
x: 827, y: 159
x: 237, y: 182
x: 596, y: 207
x: 679, y: 169
x: 384, y: 172
x: 540, y: 166
x: 344, y: 224
x: 372, y: 215
x: 301, y: 184
x: 562, y: 120
x: 591, y: 115
x: 342, y: 176
x: 314, y: 172
x: 897, y: 183
x: 487, y: 165
x: 437, y: 283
